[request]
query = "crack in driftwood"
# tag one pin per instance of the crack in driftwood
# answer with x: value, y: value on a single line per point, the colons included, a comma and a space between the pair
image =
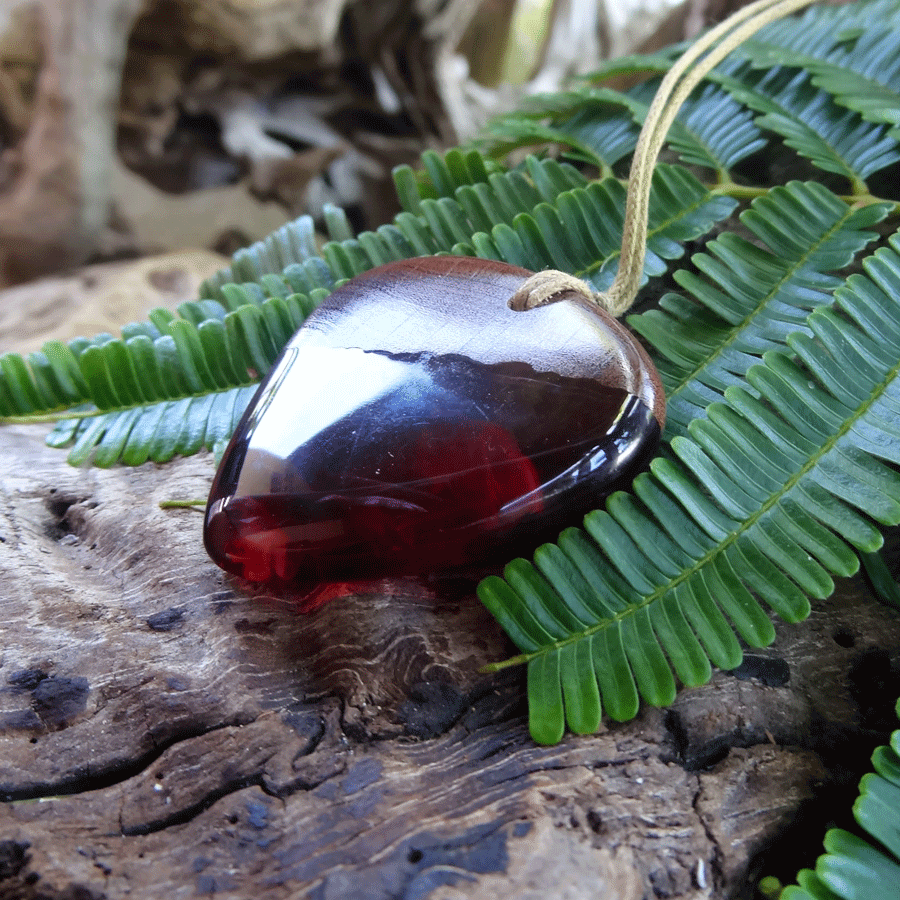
x: 111, y: 777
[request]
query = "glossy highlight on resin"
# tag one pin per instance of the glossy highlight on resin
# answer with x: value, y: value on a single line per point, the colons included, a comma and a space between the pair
x: 416, y: 424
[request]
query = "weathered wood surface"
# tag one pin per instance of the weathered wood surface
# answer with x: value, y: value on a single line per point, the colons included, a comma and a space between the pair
x: 101, y: 297
x: 166, y: 733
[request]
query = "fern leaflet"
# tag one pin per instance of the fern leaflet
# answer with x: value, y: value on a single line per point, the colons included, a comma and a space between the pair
x: 854, y: 868
x: 751, y: 299
x: 762, y: 501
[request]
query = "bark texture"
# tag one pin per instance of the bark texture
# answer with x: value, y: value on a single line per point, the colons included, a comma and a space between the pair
x: 165, y: 732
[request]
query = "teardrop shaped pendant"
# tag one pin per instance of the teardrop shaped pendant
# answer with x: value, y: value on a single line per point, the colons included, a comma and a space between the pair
x: 416, y: 423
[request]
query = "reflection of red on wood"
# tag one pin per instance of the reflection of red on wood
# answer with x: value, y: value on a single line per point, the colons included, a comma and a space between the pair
x: 321, y: 594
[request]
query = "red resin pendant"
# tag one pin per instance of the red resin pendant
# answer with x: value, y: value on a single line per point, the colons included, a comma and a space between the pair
x: 416, y: 423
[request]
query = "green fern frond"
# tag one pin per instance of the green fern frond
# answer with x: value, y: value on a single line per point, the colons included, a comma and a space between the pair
x: 168, y: 358
x: 167, y: 388
x: 156, y: 432
x: 866, y: 78
x: 763, y: 501
x: 231, y: 339
x: 432, y: 224
x: 599, y: 126
x: 48, y: 380
x: 715, y: 131
x: 232, y: 335
x: 836, y: 112
x: 289, y: 261
x: 749, y: 299
x: 529, y: 218
x: 814, y: 34
x: 834, y: 139
x: 635, y: 65
x: 596, y: 126
x: 581, y: 231
x: 441, y: 176
x: 858, y: 62
x: 291, y: 250
x: 854, y: 868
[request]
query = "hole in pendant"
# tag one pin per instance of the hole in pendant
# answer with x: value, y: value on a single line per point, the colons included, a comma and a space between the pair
x: 545, y: 287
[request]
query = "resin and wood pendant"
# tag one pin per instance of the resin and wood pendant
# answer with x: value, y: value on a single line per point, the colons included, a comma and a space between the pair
x: 416, y: 423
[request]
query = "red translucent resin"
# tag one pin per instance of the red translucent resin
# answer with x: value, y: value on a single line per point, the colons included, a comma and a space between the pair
x: 415, y: 423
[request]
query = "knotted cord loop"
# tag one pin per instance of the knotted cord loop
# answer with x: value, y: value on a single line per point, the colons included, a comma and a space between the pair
x: 547, y: 286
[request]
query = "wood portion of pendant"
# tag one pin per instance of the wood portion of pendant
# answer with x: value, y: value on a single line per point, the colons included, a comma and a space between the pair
x: 417, y: 424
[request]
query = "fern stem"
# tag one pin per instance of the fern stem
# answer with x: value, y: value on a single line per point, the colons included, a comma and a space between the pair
x: 519, y: 660
x: 859, y: 187
x: 51, y: 418
x: 749, y: 192
x: 680, y: 81
x: 866, y: 199
x: 739, y: 191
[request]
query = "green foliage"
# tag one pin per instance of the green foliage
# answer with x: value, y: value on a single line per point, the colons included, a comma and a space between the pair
x: 290, y: 250
x: 748, y: 296
x: 854, y: 868
x: 780, y: 424
x: 546, y: 216
x: 853, y: 56
x: 758, y: 501
x: 834, y: 138
x: 170, y: 386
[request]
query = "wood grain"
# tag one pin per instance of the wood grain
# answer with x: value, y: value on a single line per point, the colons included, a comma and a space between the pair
x: 165, y: 732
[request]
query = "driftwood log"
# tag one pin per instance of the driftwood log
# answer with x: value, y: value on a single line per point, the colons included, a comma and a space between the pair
x: 167, y: 732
